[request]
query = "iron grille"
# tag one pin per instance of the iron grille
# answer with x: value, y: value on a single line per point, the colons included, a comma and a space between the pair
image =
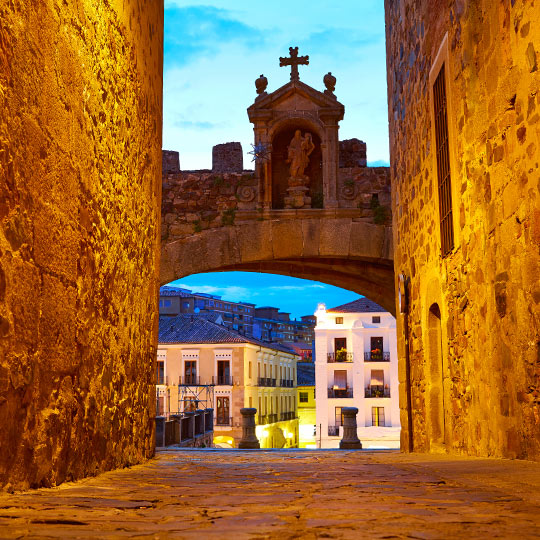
x: 443, y: 164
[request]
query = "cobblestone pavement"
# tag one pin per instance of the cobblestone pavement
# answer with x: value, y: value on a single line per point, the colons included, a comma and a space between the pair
x: 287, y: 494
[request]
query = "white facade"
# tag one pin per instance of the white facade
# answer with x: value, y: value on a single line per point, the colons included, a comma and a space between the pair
x: 352, y: 369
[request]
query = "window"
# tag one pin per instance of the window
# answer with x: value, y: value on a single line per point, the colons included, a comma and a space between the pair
x: 443, y: 163
x: 222, y: 410
x: 340, y: 343
x: 377, y: 416
x: 224, y: 372
x: 190, y: 371
x: 167, y: 303
x: 304, y: 397
x: 376, y: 319
x: 210, y: 302
x: 376, y: 348
x: 160, y: 372
x: 249, y: 371
x: 339, y: 417
x: 339, y: 320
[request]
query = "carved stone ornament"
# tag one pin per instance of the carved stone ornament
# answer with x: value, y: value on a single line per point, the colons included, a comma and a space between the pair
x: 246, y: 193
x: 330, y: 83
x: 260, y: 84
x: 349, y: 191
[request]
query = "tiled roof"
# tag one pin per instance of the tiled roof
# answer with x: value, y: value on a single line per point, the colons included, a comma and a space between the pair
x: 362, y: 305
x: 174, y: 291
x: 305, y: 374
x: 186, y: 328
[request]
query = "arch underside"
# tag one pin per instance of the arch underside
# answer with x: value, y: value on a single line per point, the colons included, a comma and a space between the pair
x: 340, y: 252
x: 371, y: 279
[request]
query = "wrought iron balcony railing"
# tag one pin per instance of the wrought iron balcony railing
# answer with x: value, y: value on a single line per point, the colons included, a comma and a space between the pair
x: 340, y: 392
x: 342, y: 356
x: 222, y: 380
x: 376, y: 356
x: 375, y: 391
x: 286, y: 383
x: 287, y: 416
x: 189, y: 380
x: 333, y: 431
x: 266, y: 381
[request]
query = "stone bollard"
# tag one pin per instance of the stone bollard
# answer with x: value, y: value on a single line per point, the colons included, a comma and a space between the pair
x: 350, y: 439
x: 249, y: 439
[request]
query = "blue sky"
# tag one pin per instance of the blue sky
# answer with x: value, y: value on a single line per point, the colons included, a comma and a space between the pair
x: 215, y: 49
x: 297, y: 296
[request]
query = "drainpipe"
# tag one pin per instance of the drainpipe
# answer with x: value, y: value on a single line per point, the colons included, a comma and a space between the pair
x: 403, y: 298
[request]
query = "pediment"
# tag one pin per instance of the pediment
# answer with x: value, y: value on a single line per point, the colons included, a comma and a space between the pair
x: 296, y: 95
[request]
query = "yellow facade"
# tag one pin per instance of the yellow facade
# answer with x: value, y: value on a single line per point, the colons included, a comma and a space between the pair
x: 306, y: 416
x: 260, y: 377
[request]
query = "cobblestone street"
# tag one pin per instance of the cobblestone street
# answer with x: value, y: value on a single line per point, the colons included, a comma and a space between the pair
x: 287, y: 494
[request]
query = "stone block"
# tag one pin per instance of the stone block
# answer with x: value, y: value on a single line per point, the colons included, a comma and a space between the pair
x: 287, y: 239
x: 352, y: 153
x: 227, y: 158
x: 334, y: 236
x: 170, y: 161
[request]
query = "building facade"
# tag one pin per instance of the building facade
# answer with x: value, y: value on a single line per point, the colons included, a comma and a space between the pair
x: 306, y: 404
x: 236, y: 316
x: 272, y: 325
x: 356, y: 366
x: 204, y: 365
x: 464, y: 106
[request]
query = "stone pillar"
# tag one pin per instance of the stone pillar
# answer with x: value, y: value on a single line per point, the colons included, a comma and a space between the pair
x: 249, y: 439
x: 350, y: 439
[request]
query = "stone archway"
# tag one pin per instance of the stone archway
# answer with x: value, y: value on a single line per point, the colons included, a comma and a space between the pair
x: 312, y: 245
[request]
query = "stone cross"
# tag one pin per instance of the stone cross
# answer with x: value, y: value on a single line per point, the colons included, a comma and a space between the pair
x: 294, y: 61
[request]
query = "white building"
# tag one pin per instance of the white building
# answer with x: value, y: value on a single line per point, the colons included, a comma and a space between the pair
x: 356, y: 366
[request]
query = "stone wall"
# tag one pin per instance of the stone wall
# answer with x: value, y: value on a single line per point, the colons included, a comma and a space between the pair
x: 170, y: 161
x: 227, y: 158
x: 352, y: 153
x: 485, y: 395
x: 199, y: 200
x: 80, y: 161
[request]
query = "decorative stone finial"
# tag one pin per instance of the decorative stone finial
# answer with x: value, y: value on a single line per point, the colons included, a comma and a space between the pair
x: 260, y: 84
x: 330, y: 83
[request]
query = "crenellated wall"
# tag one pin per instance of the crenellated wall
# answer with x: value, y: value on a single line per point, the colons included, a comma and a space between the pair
x: 474, y: 369
x: 80, y: 185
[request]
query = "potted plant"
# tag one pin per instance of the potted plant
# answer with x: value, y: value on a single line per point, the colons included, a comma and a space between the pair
x: 376, y: 354
x: 341, y: 355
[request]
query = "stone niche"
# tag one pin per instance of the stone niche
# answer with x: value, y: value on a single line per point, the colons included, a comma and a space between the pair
x: 277, y: 118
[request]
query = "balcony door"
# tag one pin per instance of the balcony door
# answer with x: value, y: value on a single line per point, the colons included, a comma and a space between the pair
x: 340, y: 379
x: 377, y: 377
x: 340, y: 343
x: 223, y: 371
x: 190, y: 371
x: 222, y: 410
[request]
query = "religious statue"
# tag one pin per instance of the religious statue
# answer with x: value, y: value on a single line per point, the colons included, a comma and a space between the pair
x: 298, y: 154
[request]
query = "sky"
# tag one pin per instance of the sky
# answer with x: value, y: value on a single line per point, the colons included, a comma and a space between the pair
x: 215, y: 49
x: 296, y: 296
x: 213, y: 52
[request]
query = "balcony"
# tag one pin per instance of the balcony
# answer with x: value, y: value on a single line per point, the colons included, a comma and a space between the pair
x: 378, y: 391
x: 261, y: 419
x: 287, y: 416
x: 224, y: 421
x: 333, y: 431
x: 266, y: 381
x: 189, y: 380
x: 376, y: 356
x: 286, y: 383
x: 271, y: 418
x: 222, y: 380
x: 341, y: 356
x: 340, y: 393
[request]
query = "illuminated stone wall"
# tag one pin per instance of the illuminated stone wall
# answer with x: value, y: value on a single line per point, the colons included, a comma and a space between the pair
x: 483, y: 396
x: 80, y: 182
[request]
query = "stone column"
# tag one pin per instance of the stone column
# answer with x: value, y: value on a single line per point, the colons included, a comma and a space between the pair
x: 350, y: 439
x: 249, y: 439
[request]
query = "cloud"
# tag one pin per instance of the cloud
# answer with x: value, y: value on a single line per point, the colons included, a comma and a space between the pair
x: 232, y: 292
x: 188, y: 124
x: 195, y: 31
x: 341, y: 42
x: 296, y: 287
x: 378, y: 163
